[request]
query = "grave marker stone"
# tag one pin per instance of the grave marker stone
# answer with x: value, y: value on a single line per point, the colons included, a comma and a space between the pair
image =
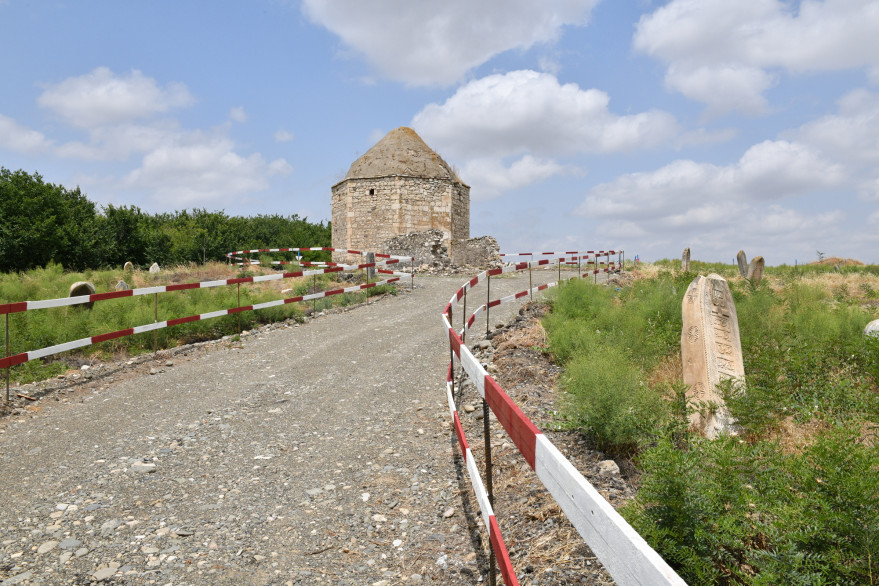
x: 755, y: 270
x: 122, y: 286
x: 685, y: 260
x: 128, y: 266
x: 711, y: 350
x: 742, y: 259
x: 872, y: 328
x: 154, y: 268
x: 82, y: 288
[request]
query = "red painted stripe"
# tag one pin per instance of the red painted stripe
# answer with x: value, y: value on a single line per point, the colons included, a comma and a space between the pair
x: 455, y: 341
x: 354, y: 252
x: 543, y: 262
x: 394, y: 280
x: 571, y: 252
x: 542, y: 287
x: 366, y: 265
x: 241, y: 280
x: 447, y: 309
x: 293, y: 299
x: 521, y: 294
x: 110, y: 295
x: 183, y: 286
x: 368, y: 286
x: 291, y: 275
x: 501, y: 554
x: 334, y: 270
x: 494, y: 272
x: 474, y: 281
x: 521, y: 265
x: 13, y: 307
x: 183, y: 320
x: 471, y: 320
x: 264, y: 250
x: 112, y: 335
x: 520, y: 429
x: 449, y: 373
x: 459, y: 294
x: 459, y: 431
x: 13, y: 360
x: 547, y: 253
x: 334, y: 292
x: 325, y: 248
x: 494, y: 303
x: 385, y: 272
x: 377, y: 255
x: 240, y: 309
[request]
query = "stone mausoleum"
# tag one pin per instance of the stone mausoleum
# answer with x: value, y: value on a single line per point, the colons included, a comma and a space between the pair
x: 398, y: 186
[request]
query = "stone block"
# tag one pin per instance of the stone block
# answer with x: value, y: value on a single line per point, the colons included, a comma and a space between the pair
x: 711, y: 351
x: 755, y: 270
x: 742, y: 260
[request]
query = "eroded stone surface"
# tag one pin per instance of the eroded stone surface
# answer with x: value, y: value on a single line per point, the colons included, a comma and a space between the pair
x: 742, y: 260
x: 685, y: 260
x: 755, y: 270
x: 154, y: 268
x: 711, y: 350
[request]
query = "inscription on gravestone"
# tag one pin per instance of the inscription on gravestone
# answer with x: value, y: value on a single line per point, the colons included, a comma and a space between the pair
x: 711, y: 350
x: 742, y: 260
x: 685, y: 260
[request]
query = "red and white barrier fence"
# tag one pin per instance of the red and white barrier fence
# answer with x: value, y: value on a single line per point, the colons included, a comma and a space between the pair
x: 622, y: 551
x: 21, y: 306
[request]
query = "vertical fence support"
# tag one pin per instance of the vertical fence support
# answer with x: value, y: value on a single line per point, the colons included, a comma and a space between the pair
x: 452, y: 360
x: 155, y: 321
x: 239, y: 305
x: 486, y: 426
x: 487, y: 305
x: 579, y: 274
x: 314, y: 290
x: 8, y: 368
x: 412, y: 278
x: 560, y: 271
x: 530, y: 286
x: 464, y: 319
x: 595, y: 270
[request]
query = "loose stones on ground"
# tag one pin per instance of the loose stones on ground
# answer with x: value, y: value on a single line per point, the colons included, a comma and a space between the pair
x: 711, y: 351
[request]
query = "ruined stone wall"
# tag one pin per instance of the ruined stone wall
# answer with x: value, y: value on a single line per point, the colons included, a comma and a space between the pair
x: 367, y: 212
x: 483, y: 252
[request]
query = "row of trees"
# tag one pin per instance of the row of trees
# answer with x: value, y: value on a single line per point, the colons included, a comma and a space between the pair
x: 41, y: 222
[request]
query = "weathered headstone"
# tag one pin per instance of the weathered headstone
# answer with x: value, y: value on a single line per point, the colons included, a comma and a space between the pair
x: 82, y: 288
x: 128, y: 266
x: 872, y: 328
x: 154, y: 268
x: 755, y: 270
x: 711, y: 350
x: 742, y: 259
x: 685, y: 260
x: 122, y: 286
x: 370, y: 271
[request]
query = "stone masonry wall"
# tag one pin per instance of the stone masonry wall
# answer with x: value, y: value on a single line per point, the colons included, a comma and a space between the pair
x: 367, y: 212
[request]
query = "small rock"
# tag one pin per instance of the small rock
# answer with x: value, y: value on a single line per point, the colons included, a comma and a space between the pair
x: 47, y: 547
x: 468, y: 408
x: 70, y: 544
x: 154, y: 268
x: 448, y: 512
x: 143, y: 467
x: 364, y: 497
x: 608, y: 468
x: 379, y: 518
x: 104, y: 574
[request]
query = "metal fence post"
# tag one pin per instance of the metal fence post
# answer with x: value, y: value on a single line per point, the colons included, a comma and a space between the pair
x: 530, y: 285
x: 155, y: 321
x: 464, y: 319
x: 412, y: 278
x: 486, y: 426
x: 487, y: 304
x: 8, y: 368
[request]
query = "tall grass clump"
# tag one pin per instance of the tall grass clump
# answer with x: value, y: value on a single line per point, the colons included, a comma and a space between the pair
x: 794, y: 497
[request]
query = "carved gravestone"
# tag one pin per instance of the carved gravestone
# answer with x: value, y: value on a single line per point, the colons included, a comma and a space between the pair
x: 711, y: 350
x: 872, y: 328
x: 755, y: 270
x: 742, y: 259
x: 128, y: 266
x: 154, y: 268
x: 82, y: 288
x: 122, y: 286
x: 685, y: 260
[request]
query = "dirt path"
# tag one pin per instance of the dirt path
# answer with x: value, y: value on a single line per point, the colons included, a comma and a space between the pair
x: 310, y: 454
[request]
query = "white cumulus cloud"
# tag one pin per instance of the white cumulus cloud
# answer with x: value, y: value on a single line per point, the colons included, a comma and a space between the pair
x: 15, y: 137
x: 425, y: 43
x: 102, y: 97
x: 714, y: 47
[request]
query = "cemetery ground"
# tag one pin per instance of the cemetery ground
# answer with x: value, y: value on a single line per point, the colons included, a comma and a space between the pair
x: 794, y: 497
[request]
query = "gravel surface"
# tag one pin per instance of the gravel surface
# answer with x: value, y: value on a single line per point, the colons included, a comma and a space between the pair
x: 305, y: 454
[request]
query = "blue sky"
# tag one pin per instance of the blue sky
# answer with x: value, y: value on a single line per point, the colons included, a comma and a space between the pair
x: 647, y: 126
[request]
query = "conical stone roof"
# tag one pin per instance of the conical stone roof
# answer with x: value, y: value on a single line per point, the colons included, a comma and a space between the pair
x: 401, y: 152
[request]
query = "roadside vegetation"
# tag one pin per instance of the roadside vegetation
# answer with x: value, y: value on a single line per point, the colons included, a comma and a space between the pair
x: 35, y: 329
x: 793, y: 499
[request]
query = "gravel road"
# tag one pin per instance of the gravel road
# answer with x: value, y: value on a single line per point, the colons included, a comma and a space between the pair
x: 306, y: 454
